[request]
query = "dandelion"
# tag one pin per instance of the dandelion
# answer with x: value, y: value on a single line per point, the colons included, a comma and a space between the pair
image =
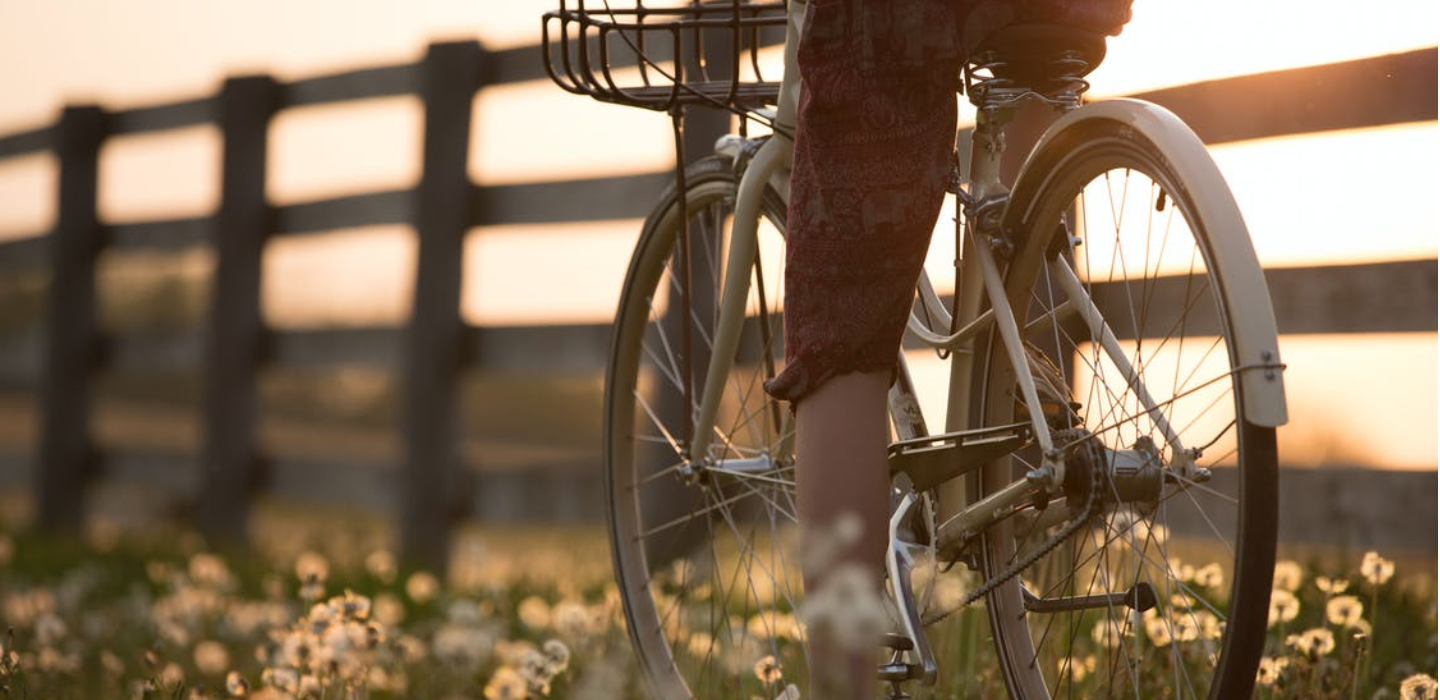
x: 1109, y: 633
x: 388, y: 609
x: 557, y: 654
x: 571, y: 619
x: 1157, y: 629
x: 211, y: 657
x: 848, y: 607
x: 1270, y: 669
x: 1077, y: 669
x: 381, y: 564
x: 1288, y: 576
x: 1313, y: 643
x: 700, y: 644
x: 1331, y: 586
x: 422, y: 586
x: 313, y: 589
x: 172, y: 675
x: 1210, y: 576
x: 1344, y: 610
x: 236, y: 685
x: 534, y: 613
x: 310, y: 565
x: 506, y: 684
x: 767, y: 669
x: 1284, y: 606
x: 1418, y: 687
x: 1376, y: 569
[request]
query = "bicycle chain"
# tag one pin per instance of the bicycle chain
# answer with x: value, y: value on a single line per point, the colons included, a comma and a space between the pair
x: 1093, y: 506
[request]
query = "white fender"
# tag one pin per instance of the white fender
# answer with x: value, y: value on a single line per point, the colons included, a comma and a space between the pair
x: 1242, y: 283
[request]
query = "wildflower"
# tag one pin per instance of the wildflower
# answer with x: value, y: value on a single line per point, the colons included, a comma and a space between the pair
x: 49, y: 629
x: 1344, y: 610
x: 381, y: 564
x: 1331, y: 586
x: 422, y: 586
x: 1077, y: 669
x: 1284, y: 606
x: 1270, y: 669
x: 571, y: 619
x: 1210, y: 576
x: 768, y: 670
x: 1376, y: 569
x: 312, y: 589
x: 172, y: 675
x: 311, y: 565
x: 236, y: 685
x: 209, y: 570
x: 112, y: 664
x: 700, y: 644
x: 535, y: 669
x: 1157, y: 629
x: 1109, y: 633
x: 1418, y: 687
x: 1288, y: 575
x: 534, y: 613
x: 462, y: 644
x: 848, y: 607
x: 1314, y: 643
x: 388, y: 609
x: 557, y: 654
x: 211, y: 657
x: 506, y: 684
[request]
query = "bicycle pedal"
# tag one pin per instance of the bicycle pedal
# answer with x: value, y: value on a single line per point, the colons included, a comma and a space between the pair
x: 897, y: 642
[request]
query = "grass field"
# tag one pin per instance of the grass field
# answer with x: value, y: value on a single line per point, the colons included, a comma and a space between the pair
x: 322, y: 609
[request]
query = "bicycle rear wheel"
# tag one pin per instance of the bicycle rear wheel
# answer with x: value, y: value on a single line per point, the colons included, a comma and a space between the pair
x: 704, y: 557
x: 1182, y: 563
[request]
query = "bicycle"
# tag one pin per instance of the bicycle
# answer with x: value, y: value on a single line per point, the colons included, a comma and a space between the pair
x: 1115, y: 384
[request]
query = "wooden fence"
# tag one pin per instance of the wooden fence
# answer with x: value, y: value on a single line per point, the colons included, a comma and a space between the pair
x: 435, y: 345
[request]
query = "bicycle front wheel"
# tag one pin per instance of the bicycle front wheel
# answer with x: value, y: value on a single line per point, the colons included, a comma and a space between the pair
x: 1119, y: 281
x: 703, y: 554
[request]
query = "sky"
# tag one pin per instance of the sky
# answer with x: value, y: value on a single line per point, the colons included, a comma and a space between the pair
x: 1295, y: 191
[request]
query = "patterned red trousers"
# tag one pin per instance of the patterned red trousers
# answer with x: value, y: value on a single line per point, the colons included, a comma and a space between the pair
x: 874, y: 137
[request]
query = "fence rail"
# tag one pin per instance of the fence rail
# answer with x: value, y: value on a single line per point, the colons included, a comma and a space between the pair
x: 434, y: 345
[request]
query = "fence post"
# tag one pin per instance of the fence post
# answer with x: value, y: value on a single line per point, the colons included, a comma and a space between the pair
x: 66, y: 452
x: 450, y: 76
x: 235, y: 335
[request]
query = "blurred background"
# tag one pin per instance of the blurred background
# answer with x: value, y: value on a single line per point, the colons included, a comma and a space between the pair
x: 537, y: 291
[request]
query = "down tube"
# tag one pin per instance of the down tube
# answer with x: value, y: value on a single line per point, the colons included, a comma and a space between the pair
x: 741, y: 256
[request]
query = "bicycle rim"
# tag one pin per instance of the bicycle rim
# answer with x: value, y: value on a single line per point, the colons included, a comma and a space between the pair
x: 1122, y: 222
x: 704, y: 558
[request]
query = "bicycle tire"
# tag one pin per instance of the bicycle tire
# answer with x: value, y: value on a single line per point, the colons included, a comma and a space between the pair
x: 684, y: 546
x: 1070, y: 201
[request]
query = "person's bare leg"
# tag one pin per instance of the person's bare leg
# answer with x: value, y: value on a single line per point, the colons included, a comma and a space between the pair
x: 842, y: 429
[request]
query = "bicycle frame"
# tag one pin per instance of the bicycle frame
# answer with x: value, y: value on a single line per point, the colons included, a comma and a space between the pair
x: 978, y: 280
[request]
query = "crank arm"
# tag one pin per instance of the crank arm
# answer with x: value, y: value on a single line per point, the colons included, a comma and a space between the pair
x: 898, y: 562
x: 1140, y: 597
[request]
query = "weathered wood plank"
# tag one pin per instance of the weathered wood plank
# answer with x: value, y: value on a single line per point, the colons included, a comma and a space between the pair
x: 173, y: 115
x: 333, y: 347
x: 21, y: 359
x: 1385, y: 297
x: 28, y: 254
x: 167, y: 234
x: 65, y: 443
x: 1390, y: 89
x: 178, y: 351
x: 546, y: 349
x: 361, y: 84
x: 591, y: 199
x: 369, y: 209
x: 450, y: 77
x: 235, y: 329
x: 22, y: 143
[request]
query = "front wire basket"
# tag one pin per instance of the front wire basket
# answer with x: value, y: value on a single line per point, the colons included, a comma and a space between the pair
x: 716, y: 41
